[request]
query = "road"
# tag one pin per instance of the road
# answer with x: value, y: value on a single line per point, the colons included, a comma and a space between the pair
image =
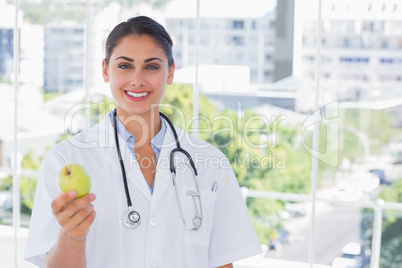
x: 335, y: 227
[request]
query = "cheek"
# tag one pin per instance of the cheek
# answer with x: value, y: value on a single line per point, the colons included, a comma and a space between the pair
x: 116, y: 81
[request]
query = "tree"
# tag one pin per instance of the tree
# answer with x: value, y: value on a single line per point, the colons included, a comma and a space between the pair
x: 377, y: 125
x: 264, y: 156
x: 391, y: 242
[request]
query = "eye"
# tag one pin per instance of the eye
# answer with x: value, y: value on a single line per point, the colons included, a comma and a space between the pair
x: 124, y: 66
x: 152, y: 67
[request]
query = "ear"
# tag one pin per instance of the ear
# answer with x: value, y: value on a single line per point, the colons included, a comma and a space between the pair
x: 171, y: 74
x: 105, y: 71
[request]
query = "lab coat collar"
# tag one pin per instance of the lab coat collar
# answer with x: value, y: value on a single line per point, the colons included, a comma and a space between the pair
x: 163, y: 177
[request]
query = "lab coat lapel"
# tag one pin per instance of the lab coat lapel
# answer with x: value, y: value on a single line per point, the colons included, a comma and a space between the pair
x: 133, y: 171
x: 163, y: 177
x: 106, y: 141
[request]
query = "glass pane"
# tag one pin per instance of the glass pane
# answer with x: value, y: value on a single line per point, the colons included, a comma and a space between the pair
x: 7, y: 127
x: 262, y: 68
x: 7, y: 111
x: 358, y: 78
x: 257, y: 77
x: 391, y: 240
x: 339, y: 232
x: 61, y: 88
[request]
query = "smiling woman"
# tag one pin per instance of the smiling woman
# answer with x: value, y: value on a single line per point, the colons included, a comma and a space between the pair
x: 175, y: 217
x: 137, y: 71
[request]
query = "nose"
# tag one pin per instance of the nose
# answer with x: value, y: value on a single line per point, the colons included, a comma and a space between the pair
x: 137, y: 79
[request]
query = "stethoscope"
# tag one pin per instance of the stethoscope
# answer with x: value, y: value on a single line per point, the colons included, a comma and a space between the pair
x: 131, y: 219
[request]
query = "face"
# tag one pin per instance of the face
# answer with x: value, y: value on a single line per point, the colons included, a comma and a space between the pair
x: 138, y: 72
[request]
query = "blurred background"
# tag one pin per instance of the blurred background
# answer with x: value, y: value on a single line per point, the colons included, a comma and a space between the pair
x: 303, y: 97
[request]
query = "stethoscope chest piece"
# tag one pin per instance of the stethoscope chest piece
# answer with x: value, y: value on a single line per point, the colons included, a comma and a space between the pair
x: 197, y: 221
x: 131, y: 219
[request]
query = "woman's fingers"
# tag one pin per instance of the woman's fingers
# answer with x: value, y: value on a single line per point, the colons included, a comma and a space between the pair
x: 60, y: 203
x: 78, y: 217
x: 74, y: 215
x: 75, y: 205
x: 82, y: 229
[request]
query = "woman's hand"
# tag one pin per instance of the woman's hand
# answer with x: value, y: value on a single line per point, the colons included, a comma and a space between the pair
x: 74, y: 215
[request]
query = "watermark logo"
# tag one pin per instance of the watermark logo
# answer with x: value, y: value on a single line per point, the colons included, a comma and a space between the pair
x: 326, y: 119
x: 258, y: 133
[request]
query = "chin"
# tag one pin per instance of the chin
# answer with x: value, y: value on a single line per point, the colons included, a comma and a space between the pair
x: 138, y: 110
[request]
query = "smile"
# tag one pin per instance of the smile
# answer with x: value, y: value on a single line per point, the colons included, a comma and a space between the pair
x: 137, y: 95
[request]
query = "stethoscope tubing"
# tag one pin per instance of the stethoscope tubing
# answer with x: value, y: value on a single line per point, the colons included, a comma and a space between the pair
x: 197, y: 220
x: 178, y: 148
x: 123, y: 170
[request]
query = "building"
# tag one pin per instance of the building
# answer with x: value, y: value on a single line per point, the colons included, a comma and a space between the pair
x: 231, y: 33
x: 6, y: 51
x: 63, y: 56
x: 361, y: 49
x: 229, y: 87
x: 238, y: 41
x: 7, y: 20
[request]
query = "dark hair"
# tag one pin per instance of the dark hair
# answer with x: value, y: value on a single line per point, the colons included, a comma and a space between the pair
x: 138, y: 26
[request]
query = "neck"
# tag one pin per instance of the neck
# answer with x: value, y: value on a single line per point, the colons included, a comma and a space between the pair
x: 142, y: 126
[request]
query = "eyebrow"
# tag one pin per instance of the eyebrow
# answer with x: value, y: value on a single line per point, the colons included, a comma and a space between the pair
x: 131, y: 60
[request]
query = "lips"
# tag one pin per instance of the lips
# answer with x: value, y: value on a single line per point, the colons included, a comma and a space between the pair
x: 137, y: 96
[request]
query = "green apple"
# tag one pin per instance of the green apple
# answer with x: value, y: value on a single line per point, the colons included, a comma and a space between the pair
x: 74, y: 177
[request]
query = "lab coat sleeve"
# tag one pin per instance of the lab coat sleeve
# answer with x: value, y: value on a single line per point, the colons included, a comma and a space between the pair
x: 233, y: 236
x: 43, y: 227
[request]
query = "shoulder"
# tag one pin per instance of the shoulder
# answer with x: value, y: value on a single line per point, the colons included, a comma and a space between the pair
x: 197, y: 145
x: 205, y: 155
x: 86, y: 139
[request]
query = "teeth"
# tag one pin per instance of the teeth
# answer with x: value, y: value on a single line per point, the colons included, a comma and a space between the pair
x: 137, y: 95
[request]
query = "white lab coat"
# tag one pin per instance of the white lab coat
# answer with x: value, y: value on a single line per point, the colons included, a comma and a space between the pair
x: 161, y: 240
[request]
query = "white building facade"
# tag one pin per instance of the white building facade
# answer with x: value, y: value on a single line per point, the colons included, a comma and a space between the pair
x: 361, y: 49
x: 63, y: 56
x: 231, y: 33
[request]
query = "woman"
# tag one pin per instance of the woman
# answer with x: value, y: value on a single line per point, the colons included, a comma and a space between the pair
x: 191, y: 221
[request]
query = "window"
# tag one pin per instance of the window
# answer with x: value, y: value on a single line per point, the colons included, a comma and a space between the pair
x: 238, y: 40
x: 253, y: 25
x: 238, y: 24
x: 346, y: 171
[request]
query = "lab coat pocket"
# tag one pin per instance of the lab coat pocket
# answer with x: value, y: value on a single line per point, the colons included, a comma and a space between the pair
x: 200, y: 236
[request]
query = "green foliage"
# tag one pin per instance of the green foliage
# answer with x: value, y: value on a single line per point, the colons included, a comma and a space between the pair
x: 391, y: 245
x: 29, y: 161
x: 377, y: 125
x: 6, y: 184
x: 49, y: 95
x: 391, y: 240
x: 264, y: 155
x: 5, y: 79
x: 392, y: 193
x: 28, y: 184
x: 49, y: 10
x: 101, y: 108
x: 41, y: 13
x: 176, y: 104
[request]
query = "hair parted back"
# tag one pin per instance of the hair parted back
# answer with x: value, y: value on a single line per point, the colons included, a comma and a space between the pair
x: 139, y: 26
